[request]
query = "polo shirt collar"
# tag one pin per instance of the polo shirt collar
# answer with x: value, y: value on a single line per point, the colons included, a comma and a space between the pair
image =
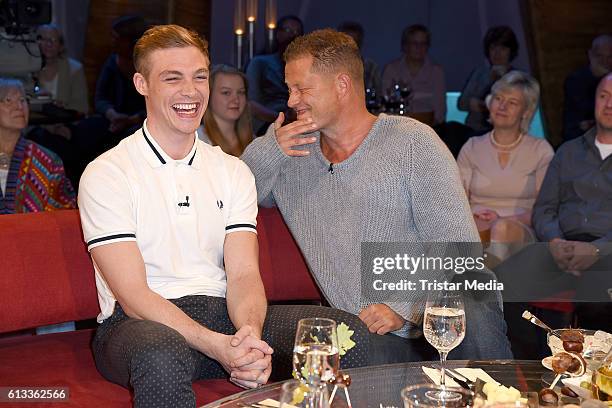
x: 156, y: 156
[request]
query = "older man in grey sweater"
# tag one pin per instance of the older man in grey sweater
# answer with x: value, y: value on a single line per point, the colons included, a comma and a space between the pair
x: 342, y: 176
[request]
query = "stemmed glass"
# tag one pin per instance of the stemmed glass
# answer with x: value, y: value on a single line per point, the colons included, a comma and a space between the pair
x: 315, y: 353
x: 296, y: 394
x: 444, y: 328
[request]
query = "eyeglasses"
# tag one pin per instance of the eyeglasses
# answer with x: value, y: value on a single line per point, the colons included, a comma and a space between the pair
x: 290, y: 30
x: 418, y: 43
x: 47, y: 40
x: 8, y: 100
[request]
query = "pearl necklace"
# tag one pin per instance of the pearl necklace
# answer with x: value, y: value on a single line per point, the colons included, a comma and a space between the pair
x: 505, y: 146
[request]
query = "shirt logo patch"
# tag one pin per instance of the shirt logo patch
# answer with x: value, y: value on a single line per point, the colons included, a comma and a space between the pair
x: 220, y: 204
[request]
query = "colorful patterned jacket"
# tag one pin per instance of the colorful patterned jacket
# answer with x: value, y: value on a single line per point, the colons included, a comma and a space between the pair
x: 36, y: 181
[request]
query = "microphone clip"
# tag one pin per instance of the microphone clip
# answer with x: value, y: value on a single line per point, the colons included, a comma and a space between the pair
x: 186, y: 203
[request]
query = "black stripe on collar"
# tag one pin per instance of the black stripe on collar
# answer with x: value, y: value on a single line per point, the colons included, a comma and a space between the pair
x: 159, y: 156
x: 193, y: 157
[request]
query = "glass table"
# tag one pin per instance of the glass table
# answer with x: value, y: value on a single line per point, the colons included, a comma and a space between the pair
x: 380, y: 386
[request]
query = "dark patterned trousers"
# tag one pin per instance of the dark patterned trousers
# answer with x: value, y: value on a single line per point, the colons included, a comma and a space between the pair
x: 156, y: 361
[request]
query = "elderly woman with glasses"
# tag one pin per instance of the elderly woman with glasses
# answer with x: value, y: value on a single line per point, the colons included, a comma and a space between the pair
x: 502, y: 170
x: 32, y: 178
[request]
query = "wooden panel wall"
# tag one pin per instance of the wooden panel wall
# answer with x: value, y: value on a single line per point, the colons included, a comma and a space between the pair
x: 194, y: 14
x: 559, y: 34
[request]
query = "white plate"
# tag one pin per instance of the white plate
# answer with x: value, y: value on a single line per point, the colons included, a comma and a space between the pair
x: 574, y: 384
x: 547, y: 362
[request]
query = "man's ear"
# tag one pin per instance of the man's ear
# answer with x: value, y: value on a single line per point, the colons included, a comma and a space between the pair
x: 140, y: 83
x: 343, y: 84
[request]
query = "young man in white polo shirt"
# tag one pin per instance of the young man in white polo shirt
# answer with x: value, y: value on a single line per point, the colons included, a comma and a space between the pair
x: 170, y: 224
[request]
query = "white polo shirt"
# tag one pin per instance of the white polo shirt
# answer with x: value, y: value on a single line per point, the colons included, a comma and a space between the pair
x: 177, y: 211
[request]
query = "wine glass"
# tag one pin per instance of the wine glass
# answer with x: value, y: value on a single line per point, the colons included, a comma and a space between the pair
x: 295, y: 393
x: 417, y: 396
x: 444, y: 328
x: 315, y: 353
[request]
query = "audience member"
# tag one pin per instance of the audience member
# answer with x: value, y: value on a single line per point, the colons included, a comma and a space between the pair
x: 116, y: 98
x: 573, y: 216
x: 580, y: 85
x: 60, y: 76
x: 170, y: 224
x: 502, y: 170
x: 32, y: 177
x: 501, y: 48
x: 416, y: 70
x: 342, y: 176
x: 120, y: 108
x: 63, y: 79
x: 227, y: 121
x: 266, y: 73
x: 371, y: 72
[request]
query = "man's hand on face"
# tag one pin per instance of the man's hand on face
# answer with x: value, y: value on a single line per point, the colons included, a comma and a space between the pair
x: 291, y: 135
x: 561, y: 251
x: 246, y: 357
x: 381, y: 319
x: 584, y: 255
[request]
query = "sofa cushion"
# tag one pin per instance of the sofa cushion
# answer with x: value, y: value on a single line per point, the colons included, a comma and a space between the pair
x: 65, y: 360
x: 47, y: 275
x: 283, y: 269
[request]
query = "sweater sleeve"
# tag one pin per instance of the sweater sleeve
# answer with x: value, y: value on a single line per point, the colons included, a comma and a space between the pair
x: 438, y: 200
x: 265, y: 158
x: 78, y: 88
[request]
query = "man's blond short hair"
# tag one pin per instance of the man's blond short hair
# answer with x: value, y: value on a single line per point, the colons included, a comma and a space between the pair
x: 162, y: 37
x: 332, y: 52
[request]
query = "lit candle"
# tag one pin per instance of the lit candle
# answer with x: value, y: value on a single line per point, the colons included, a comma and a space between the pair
x: 270, y: 21
x: 251, y: 9
x: 239, y: 48
x: 239, y: 29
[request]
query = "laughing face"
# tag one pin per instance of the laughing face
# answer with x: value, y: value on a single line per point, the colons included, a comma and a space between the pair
x: 311, y: 94
x: 175, y: 89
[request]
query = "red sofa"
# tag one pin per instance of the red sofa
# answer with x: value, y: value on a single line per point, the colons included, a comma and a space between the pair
x: 46, y: 277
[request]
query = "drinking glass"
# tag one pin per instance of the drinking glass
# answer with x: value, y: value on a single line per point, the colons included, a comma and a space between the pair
x: 602, y: 380
x: 296, y: 394
x: 418, y: 396
x: 444, y: 328
x: 315, y: 352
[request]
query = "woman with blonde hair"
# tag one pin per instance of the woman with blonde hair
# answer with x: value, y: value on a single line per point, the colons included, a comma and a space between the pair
x: 502, y: 170
x: 60, y: 76
x: 227, y: 121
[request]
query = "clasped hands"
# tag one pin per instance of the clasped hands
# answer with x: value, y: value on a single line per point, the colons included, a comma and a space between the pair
x: 246, y: 357
x: 573, y: 256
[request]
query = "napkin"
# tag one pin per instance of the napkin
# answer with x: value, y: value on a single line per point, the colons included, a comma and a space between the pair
x: 470, y: 373
x: 269, y: 402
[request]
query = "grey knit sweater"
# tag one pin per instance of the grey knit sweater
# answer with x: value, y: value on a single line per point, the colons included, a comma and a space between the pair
x: 400, y: 185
